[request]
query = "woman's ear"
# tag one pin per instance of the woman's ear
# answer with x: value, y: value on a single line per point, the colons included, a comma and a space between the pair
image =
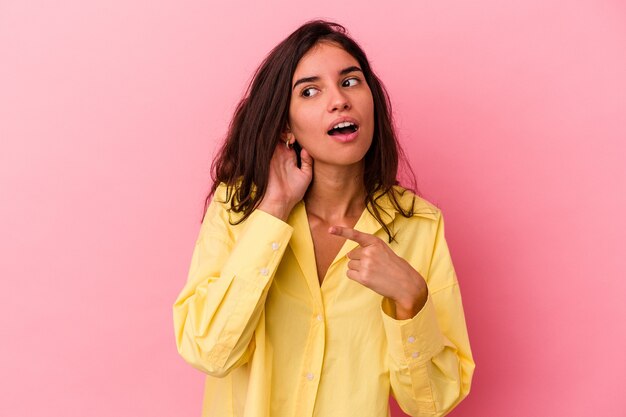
x: 287, y: 136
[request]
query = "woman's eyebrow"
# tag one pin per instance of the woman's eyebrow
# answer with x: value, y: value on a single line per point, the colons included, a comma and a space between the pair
x: 316, y: 78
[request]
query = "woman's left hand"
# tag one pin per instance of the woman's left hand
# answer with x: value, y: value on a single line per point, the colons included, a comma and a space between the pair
x: 376, y: 266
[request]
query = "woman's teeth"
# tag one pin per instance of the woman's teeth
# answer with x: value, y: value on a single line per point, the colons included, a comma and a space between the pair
x: 343, y: 128
x: 343, y: 124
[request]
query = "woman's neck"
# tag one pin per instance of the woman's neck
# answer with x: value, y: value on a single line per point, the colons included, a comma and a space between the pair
x: 336, y: 192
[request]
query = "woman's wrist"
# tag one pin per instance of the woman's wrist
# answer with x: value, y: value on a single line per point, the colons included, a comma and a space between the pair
x: 410, y: 304
x: 279, y: 210
x: 409, y: 310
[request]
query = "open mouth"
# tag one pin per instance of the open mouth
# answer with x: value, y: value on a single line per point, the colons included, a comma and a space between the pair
x: 345, y: 130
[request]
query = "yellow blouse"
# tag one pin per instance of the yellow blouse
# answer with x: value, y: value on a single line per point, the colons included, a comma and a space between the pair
x: 273, y: 342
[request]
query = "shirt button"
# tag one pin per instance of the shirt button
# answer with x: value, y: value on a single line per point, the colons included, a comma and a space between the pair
x: 319, y: 317
x: 264, y: 271
x: 309, y: 376
x: 411, y: 339
x: 415, y: 354
x: 275, y: 245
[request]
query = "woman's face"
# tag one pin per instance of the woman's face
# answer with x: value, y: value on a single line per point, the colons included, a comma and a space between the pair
x: 334, y: 88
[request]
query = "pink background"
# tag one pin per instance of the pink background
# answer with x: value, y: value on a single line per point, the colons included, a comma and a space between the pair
x: 513, y: 115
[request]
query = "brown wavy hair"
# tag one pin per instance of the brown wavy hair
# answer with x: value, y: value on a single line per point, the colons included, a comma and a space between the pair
x: 244, y: 159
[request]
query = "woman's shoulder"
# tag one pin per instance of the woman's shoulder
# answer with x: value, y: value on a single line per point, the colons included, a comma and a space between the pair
x: 224, y: 192
x: 410, y: 202
x: 220, y: 204
x: 221, y: 194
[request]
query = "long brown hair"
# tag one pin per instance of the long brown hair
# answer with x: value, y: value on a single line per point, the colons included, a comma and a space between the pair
x: 244, y: 158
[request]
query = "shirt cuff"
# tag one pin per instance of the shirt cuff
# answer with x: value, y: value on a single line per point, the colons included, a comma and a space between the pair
x: 416, y: 340
x: 258, y: 251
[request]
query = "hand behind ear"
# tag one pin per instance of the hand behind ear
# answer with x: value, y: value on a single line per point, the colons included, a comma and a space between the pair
x: 306, y: 160
x: 286, y: 183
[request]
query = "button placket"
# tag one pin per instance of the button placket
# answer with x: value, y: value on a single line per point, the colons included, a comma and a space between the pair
x: 414, y: 354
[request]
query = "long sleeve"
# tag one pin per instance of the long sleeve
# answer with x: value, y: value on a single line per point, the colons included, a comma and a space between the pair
x: 231, y: 270
x: 430, y: 360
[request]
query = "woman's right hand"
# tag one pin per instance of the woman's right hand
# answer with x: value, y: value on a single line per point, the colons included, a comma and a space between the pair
x: 286, y: 183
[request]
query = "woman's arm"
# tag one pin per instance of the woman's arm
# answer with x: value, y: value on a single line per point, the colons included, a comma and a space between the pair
x: 232, y: 267
x: 430, y: 360
x: 231, y: 270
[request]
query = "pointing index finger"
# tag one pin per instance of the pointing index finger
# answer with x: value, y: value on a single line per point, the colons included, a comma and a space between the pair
x: 363, y: 239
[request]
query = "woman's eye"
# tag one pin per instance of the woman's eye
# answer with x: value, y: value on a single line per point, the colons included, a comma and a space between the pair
x: 356, y: 80
x: 308, y: 92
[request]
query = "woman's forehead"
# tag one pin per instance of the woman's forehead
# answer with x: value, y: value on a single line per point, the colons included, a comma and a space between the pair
x: 324, y: 59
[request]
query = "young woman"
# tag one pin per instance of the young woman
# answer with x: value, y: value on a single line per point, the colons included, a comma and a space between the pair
x: 318, y: 285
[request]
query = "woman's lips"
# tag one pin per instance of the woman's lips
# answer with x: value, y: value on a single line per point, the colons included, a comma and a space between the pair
x: 345, y: 137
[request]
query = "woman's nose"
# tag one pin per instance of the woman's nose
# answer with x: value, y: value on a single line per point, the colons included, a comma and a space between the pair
x: 339, y: 100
